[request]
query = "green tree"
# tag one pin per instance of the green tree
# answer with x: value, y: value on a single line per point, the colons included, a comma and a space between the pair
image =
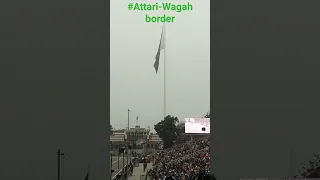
x: 167, y: 130
x: 181, y: 137
x: 207, y: 115
x: 111, y: 129
x: 312, y: 170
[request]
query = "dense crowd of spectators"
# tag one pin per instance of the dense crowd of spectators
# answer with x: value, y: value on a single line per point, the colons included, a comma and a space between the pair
x: 183, y: 162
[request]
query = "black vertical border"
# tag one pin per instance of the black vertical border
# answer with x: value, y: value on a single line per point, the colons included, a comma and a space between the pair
x: 54, y: 88
x: 264, y: 86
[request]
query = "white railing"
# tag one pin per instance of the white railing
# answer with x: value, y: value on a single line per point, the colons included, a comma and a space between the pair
x: 117, y: 174
x: 114, y: 177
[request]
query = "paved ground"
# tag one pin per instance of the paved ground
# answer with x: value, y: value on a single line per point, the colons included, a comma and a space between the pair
x: 138, y: 173
x: 118, y: 164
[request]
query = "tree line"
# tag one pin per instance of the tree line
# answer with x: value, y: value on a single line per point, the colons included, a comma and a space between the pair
x: 171, y: 131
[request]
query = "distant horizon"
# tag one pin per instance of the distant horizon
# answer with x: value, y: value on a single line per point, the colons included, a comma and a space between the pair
x: 123, y: 128
x: 151, y: 130
x: 151, y: 127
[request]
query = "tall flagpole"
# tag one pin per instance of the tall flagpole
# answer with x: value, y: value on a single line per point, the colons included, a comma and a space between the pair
x: 164, y: 72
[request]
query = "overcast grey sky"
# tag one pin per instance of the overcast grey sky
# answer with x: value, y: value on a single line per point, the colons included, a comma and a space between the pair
x: 134, y: 83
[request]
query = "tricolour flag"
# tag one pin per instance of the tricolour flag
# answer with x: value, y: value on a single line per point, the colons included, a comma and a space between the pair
x: 161, y: 47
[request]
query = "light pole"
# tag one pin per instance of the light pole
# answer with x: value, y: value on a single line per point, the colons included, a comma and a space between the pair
x: 59, y: 155
x: 111, y: 166
x: 127, y: 142
x: 123, y: 160
x: 119, y: 159
x: 128, y: 118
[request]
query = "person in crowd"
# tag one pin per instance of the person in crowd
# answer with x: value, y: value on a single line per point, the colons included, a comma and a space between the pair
x: 130, y: 168
x: 145, y: 166
x: 184, y: 161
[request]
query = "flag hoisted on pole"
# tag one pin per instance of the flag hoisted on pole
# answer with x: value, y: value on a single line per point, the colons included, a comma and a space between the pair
x: 137, y: 119
x: 161, y: 47
x: 156, y: 66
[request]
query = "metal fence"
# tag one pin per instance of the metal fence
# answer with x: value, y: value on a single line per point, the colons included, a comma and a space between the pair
x: 122, y: 174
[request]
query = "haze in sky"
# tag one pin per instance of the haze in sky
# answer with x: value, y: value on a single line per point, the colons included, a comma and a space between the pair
x: 134, y: 83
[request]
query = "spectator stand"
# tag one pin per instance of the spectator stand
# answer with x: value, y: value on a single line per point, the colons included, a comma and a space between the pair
x: 183, y: 161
